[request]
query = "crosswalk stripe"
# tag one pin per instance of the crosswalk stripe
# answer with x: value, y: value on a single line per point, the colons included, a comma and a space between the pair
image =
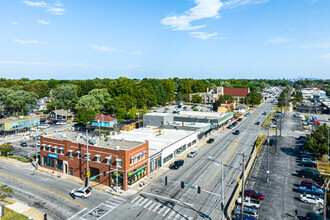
x: 161, y: 210
x: 172, y: 213
x: 112, y: 203
x: 166, y: 211
x: 144, y: 201
x: 152, y: 205
x: 138, y: 200
x: 190, y: 218
x: 157, y: 206
x: 118, y: 198
x: 147, y: 204
x: 178, y: 216
x: 133, y: 201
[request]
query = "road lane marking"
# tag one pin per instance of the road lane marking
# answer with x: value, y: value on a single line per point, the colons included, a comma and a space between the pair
x: 157, y: 207
x: 72, y: 217
x: 147, y: 204
x: 139, y: 200
x: 2, y: 174
x: 152, y: 206
x: 118, y: 198
x: 175, y: 200
x: 136, y: 198
x: 144, y: 201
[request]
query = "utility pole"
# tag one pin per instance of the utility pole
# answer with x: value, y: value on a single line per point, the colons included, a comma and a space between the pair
x: 222, y: 199
x: 325, y: 187
x: 87, y: 158
x: 117, y: 174
x: 268, y: 156
x: 281, y: 125
x: 243, y: 185
x: 276, y: 143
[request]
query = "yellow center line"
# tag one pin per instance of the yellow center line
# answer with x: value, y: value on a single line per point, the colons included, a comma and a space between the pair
x: 2, y: 174
x: 230, y: 154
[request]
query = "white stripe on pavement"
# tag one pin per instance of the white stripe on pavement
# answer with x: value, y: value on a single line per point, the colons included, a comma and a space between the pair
x: 118, y: 198
x: 152, y: 206
x: 157, y: 206
x: 168, y: 198
x: 133, y: 201
x: 144, y: 201
x: 147, y: 204
x: 172, y: 213
x: 139, y: 200
x: 112, y: 203
x: 77, y: 214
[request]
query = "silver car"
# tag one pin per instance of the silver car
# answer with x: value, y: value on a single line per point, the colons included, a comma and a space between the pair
x: 308, y: 198
x: 192, y: 154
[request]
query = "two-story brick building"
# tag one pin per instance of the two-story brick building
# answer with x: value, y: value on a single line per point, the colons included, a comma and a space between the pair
x: 67, y: 153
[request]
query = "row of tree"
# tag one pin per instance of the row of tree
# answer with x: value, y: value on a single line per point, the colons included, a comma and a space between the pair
x: 317, y: 141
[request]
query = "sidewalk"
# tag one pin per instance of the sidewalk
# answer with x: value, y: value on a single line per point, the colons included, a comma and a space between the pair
x: 20, y: 208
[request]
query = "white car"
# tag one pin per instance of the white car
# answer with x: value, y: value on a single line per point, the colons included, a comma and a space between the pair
x: 308, y: 198
x: 61, y: 123
x: 83, y: 192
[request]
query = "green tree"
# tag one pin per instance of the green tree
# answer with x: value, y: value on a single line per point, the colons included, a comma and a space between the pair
x: 317, y: 141
x: 63, y: 94
x: 17, y: 100
x: 132, y: 113
x: 253, y: 98
x: 38, y: 87
x: 5, y: 191
x: 199, y: 86
x: 196, y: 98
x: 85, y: 115
x: 5, y: 149
x: 169, y: 87
x: 89, y: 102
x: 232, y: 108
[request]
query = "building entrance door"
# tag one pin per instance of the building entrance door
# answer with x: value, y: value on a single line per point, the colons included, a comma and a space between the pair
x: 65, y: 163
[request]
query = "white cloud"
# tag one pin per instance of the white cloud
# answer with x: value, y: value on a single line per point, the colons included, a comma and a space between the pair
x: 204, y: 35
x: 15, y: 23
x: 204, y: 9
x: 280, y: 40
x: 325, y: 56
x: 324, y: 44
x: 19, y: 62
x: 131, y: 66
x: 40, y: 21
x: 237, y: 3
x: 28, y: 41
x: 137, y: 52
x: 105, y: 48
x: 54, y: 8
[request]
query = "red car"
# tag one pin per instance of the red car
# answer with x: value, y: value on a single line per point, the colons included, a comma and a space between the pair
x: 253, y: 194
x: 309, y: 183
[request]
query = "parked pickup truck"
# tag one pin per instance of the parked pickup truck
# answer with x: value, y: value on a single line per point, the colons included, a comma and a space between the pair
x: 311, y: 190
x: 248, y: 202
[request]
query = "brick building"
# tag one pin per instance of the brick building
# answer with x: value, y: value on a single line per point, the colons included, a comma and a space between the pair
x: 67, y: 153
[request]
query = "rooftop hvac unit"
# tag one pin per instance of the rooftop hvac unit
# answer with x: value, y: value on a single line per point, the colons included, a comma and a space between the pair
x: 122, y: 139
x: 117, y: 148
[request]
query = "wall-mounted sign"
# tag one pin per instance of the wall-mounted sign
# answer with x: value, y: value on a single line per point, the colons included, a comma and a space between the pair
x: 53, y: 155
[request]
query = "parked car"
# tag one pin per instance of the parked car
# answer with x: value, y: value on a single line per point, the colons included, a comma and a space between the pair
x: 309, y: 173
x: 83, y: 192
x: 247, y: 114
x: 311, y: 190
x: 236, y: 132
x: 264, y: 113
x: 23, y: 144
x: 230, y: 126
x: 240, y: 119
x: 257, y: 123
x: 192, y: 154
x: 308, y: 163
x: 247, y: 211
x: 253, y: 194
x: 235, y: 123
x: 309, y: 183
x: 61, y: 123
x: 313, y: 216
x: 272, y: 141
x: 248, y: 202
x: 211, y: 140
x: 245, y: 217
x: 176, y: 165
x: 308, y: 198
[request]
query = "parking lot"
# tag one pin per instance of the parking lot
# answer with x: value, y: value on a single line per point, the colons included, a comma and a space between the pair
x: 281, y: 196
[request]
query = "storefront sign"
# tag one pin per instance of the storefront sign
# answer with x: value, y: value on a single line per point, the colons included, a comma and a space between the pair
x: 53, y: 155
x: 137, y: 169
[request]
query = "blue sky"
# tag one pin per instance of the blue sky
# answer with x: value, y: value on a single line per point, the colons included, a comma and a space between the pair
x: 81, y: 39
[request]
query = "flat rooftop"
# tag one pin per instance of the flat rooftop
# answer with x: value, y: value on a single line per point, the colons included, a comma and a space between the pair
x: 158, y: 138
x: 199, y: 114
x: 12, y: 119
x: 110, y: 144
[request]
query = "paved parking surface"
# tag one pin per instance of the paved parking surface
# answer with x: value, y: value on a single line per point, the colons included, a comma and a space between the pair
x: 281, y: 196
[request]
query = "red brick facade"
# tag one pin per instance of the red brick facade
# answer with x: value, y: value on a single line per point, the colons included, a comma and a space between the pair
x: 73, y: 165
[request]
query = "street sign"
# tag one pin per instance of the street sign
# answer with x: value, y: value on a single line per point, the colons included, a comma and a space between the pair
x: 239, y: 181
x: 191, y: 187
x: 88, y: 173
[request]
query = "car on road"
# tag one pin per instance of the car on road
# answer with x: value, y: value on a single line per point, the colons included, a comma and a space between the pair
x: 83, y: 192
x: 61, y: 123
x: 313, y: 216
x: 253, y: 194
x: 211, y: 140
x: 272, y: 141
x: 297, y: 115
x: 309, y: 183
x: 230, y: 126
x: 240, y: 119
x: 235, y: 123
x: 192, y: 154
x: 308, y: 198
x: 247, y: 211
x: 247, y: 114
x: 236, y: 132
x: 309, y: 173
x: 257, y: 123
x: 264, y: 113
x: 311, y: 190
x: 23, y: 144
x: 176, y: 165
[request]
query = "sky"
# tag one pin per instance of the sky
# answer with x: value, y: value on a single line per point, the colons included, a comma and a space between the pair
x: 221, y: 39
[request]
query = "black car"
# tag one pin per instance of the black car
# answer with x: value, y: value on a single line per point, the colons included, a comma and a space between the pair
x: 23, y: 144
x: 211, y: 140
x: 236, y: 132
x: 240, y: 119
x: 235, y: 123
x: 313, y: 216
x: 230, y: 126
x: 272, y: 141
x: 309, y: 173
x: 176, y: 164
x: 308, y: 163
x: 257, y: 123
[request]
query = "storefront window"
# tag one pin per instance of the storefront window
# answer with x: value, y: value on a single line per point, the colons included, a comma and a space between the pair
x: 119, y: 161
x: 168, y: 158
x: 114, y: 178
x: 136, y: 174
x: 59, y: 164
x: 48, y: 162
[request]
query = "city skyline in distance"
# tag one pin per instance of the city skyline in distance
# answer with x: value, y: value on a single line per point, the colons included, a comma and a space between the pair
x: 199, y: 39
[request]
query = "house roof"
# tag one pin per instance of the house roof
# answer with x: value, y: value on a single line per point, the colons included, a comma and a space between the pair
x: 62, y: 112
x: 103, y: 117
x: 236, y: 91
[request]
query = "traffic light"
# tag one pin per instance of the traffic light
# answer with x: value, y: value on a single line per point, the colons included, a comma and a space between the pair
x: 104, y: 173
x: 45, y: 216
x: 165, y: 180
x: 199, y: 189
x: 182, y: 184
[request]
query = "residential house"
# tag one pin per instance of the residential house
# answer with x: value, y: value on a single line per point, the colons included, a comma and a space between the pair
x: 103, y: 121
x: 60, y: 114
